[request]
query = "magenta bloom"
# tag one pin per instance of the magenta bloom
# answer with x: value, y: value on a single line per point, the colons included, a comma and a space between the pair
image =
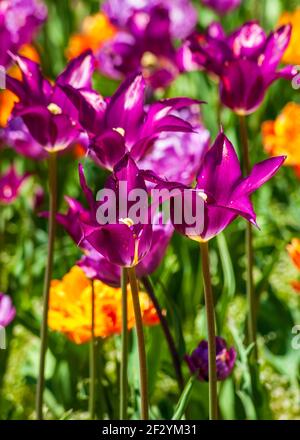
x: 145, y: 41
x: 17, y: 136
x: 222, y: 6
x: 222, y: 189
x: 19, y: 20
x: 10, y: 185
x: 183, y: 15
x: 7, y: 310
x: 246, y: 62
x: 122, y: 123
x: 51, y: 118
x: 198, y: 360
x: 94, y: 264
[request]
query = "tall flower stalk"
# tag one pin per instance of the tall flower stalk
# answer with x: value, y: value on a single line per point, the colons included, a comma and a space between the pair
x: 141, y: 342
x: 48, y: 276
x: 124, y: 351
x: 93, y: 360
x: 249, y: 244
x: 164, y: 324
x: 211, y: 335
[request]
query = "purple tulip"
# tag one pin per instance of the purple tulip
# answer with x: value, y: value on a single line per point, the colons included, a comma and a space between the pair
x: 121, y: 241
x: 122, y: 123
x: 94, y: 264
x: 51, y: 118
x: 177, y: 156
x: 145, y: 40
x: 225, y: 359
x: 10, y: 185
x: 17, y: 136
x: 183, y: 15
x: 221, y: 188
x: 7, y: 310
x: 246, y: 62
x: 19, y: 20
x: 222, y: 6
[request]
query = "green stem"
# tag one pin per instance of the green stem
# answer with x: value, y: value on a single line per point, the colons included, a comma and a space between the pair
x: 165, y: 327
x: 141, y: 342
x: 48, y: 275
x: 184, y: 399
x: 93, y: 354
x: 124, y: 352
x: 249, y: 246
x: 210, y: 318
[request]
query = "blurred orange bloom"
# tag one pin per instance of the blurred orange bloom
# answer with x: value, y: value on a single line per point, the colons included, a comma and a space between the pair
x: 96, y: 30
x: 70, y: 308
x: 292, y: 54
x: 294, y: 252
x: 7, y: 98
x: 282, y: 136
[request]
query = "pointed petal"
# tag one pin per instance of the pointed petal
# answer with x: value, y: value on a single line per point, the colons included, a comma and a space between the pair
x: 79, y: 71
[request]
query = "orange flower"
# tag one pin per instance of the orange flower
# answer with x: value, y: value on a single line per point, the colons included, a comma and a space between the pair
x: 70, y: 308
x: 282, y: 136
x: 96, y: 30
x: 294, y: 251
x: 7, y: 98
x: 292, y: 54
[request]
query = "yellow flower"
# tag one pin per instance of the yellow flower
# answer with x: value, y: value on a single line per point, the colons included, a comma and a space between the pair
x: 282, y: 136
x: 70, y: 307
x: 294, y: 252
x: 96, y: 30
x: 292, y: 54
x: 7, y: 98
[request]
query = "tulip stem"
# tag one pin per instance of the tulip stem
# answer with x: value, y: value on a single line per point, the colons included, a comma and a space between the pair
x: 124, y: 352
x: 211, y: 336
x: 249, y: 246
x: 93, y: 354
x: 52, y: 177
x: 141, y: 342
x: 168, y: 335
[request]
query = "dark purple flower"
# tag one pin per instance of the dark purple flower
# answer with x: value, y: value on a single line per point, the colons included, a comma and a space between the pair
x: 222, y: 6
x: 198, y: 360
x: 10, y: 185
x: 222, y: 190
x: 123, y: 124
x: 19, y: 20
x: 246, y: 62
x: 183, y: 15
x: 7, y: 310
x: 145, y: 41
x: 94, y: 264
x: 17, y: 136
x: 49, y: 115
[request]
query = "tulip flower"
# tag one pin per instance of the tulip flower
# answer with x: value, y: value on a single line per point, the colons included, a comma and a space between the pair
x: 222, y: 6
x: 14, y: 32
x: 49, y: 115
x: 10, y: 185
x: 145, y: 40
x: 52, y: 120
x: 292, y: 53
x: 245, y: 62
x: 225, y: 194
x: 225, y: 360
x: 7, y: 310
x: 123, y: 124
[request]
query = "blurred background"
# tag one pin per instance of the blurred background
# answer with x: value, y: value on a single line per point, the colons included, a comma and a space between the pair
x: 23, y: 247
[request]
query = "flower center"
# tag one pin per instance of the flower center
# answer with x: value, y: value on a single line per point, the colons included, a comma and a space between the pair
x: 54, y: 109
x: 120, y: 130
x: 127, y: 221
x: 7, y: 191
